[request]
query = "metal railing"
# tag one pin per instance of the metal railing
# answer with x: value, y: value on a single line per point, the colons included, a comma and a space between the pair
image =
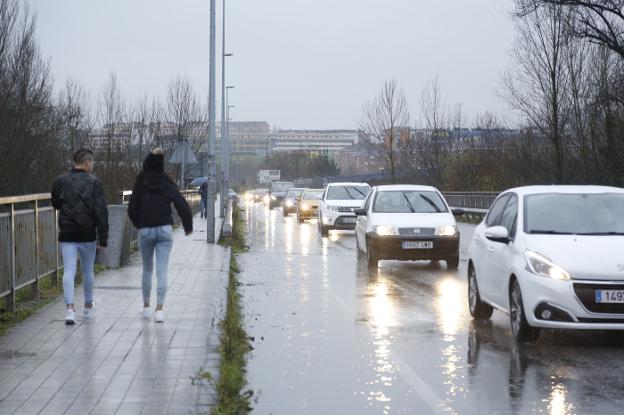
x: 471, y: 200
x: 29, y: 247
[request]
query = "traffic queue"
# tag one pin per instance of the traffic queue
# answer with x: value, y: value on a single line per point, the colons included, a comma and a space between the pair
x: 547, y: 256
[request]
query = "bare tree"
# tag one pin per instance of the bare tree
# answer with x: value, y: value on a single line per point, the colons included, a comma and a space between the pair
x: 536, y: 85
x: 386, y: 124
x: 599, y: 21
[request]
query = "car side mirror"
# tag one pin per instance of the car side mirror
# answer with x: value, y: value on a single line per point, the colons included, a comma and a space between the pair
x: 360, y: 212
x: 497, y: 234
x: 458, y: 212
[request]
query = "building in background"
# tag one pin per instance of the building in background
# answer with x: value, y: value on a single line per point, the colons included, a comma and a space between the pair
x: 326, y: 142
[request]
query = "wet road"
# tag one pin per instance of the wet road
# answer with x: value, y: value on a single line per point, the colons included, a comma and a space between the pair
x: 331, y: 336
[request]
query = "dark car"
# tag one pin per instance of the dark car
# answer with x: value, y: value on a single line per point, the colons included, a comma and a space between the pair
x: 277, y: 191
x: 289, y: 204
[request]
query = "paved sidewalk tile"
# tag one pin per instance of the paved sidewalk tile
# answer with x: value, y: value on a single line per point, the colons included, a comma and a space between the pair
x: 117, y: 363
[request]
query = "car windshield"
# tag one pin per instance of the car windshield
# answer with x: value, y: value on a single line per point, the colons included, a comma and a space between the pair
x: 281, y: 186
x: 313, y: 195
x: 409, y: 201
x: 347, y: 192
x: 294, y: 193
x: 574, y: 214
x: 262, y: 191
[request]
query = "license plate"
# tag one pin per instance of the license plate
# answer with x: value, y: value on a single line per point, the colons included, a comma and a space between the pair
x: 349, y: 220
x: 417, y: 244
x: 610, y: 296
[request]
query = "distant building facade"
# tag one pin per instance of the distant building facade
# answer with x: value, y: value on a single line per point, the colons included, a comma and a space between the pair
x: 326, y: 142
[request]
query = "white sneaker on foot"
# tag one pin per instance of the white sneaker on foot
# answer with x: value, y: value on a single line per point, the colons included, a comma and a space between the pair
x: 88, y: 312
x: 159, y: 316
x: 146, y: 313
x: 70, y: 316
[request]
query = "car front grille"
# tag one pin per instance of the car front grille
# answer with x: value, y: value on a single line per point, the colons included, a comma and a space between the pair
x: 345, y: 209
x: 586, y: 293
x: 416, y: 231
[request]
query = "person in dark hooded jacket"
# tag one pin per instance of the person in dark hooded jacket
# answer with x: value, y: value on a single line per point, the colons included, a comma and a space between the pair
x: 150, y: 212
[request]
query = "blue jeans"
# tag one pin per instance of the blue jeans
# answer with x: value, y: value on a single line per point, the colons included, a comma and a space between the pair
x: 157, y: 239
x: 71, y: 251
x: 203, y: 206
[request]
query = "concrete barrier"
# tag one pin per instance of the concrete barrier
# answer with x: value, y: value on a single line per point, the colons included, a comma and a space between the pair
x: 116, y: 254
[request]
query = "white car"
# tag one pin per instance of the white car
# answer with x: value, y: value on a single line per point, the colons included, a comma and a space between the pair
x: 336, y: 209
x: 551, y: 257
x: 407, y: 222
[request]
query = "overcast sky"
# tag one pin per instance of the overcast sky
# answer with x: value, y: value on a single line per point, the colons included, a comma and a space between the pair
x: 297, y: 63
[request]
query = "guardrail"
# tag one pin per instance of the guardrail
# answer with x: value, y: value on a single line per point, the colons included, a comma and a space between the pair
x: 471, y: 200
x: 29, y: 247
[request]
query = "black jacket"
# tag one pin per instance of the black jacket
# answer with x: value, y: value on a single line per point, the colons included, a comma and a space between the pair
x: 81, y: 202
x: 150, y: 203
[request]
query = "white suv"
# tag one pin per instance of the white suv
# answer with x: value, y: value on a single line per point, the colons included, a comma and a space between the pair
x: 337, y: 208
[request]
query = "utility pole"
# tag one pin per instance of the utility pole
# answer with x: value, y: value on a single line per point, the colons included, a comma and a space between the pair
x: 212, y: 133
x: 223, y: 121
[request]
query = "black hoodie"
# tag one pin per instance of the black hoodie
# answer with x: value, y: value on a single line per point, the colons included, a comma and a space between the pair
x: 152, y: 195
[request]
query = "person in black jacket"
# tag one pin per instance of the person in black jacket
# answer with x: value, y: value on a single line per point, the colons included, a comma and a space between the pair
x: 150, y: 212
x: 83, y: 218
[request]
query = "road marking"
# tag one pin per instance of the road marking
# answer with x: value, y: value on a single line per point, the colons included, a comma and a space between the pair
x: 418, y: 384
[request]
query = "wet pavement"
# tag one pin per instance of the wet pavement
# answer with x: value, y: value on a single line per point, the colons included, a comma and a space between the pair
x: 116, y: 362
x: 331, y: 336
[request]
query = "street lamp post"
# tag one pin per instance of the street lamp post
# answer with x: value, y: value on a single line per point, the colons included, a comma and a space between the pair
x: 224, y: 154
x: 226, y: 160
x: 212, y: 132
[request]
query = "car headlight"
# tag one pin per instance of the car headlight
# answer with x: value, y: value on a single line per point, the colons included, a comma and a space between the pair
x: 448, y: 230
x: 289, y: 203
x: 383, y: 230
x: 332, y: 208
x: 540, y: 265
x: 273, y: 197
x: 305, y: 207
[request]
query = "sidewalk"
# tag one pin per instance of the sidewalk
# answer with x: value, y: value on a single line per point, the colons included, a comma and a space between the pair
x: 117, y: 363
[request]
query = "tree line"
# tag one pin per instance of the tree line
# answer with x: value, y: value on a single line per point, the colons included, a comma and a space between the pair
x: 565, y: 83
x: 40, y: 129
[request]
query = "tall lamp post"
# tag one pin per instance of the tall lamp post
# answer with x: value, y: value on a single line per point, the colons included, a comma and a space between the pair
x: 212, y: 133
x: 224, y: 174
x: 226, y: 159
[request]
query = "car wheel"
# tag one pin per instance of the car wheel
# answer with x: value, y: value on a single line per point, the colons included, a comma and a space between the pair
x: 478, y: 309
x: 520, y: 327
x: 322, y: 228
x: 453, y: 262
x: 299, y: 218
x: 371, y: 256
x: 285, y: 211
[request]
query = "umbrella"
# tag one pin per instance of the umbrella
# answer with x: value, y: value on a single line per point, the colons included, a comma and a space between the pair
x: 199, y: 181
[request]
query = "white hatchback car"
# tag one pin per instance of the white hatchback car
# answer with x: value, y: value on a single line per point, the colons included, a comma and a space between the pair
x: 551, y: 257
x: 407, y: 222
x: 336, y: 209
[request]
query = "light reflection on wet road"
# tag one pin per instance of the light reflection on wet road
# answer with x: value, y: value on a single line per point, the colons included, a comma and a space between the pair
x: 331, y: 336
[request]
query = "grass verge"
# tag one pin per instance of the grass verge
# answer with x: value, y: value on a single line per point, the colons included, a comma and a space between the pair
x: 27, y: 302
x: 233, y: 397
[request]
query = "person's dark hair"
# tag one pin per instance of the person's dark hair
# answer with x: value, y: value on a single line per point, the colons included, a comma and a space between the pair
x: 82, y: 156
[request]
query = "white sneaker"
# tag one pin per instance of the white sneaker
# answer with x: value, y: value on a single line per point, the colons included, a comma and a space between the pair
x: 159, y: 316
x: 88, y: 312
x: 146, y: 312
x: 70, y: 316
